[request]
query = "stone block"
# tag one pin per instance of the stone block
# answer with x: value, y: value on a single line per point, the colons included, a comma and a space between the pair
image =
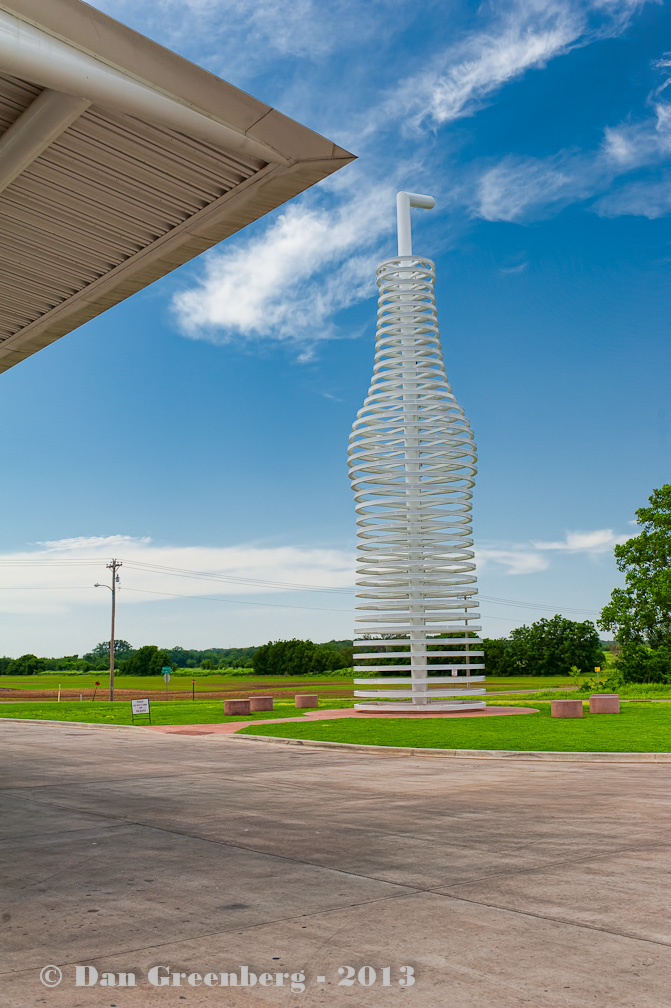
x: 261, y: 703
x: 236, y: 707
x: 307, y: 699
x: 604, y: 703
x: 566, y: 708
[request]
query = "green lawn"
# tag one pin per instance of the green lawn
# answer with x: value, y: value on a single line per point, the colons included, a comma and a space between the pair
x: 630, y: 691
x: 640, y: 727
x: 644, y: 727
x: 173, y: 712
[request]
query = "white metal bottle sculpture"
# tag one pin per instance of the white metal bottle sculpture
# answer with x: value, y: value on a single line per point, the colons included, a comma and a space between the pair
x: 412, y: 463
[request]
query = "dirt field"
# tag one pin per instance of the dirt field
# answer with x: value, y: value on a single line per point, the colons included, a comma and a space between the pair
x: 323, y: 687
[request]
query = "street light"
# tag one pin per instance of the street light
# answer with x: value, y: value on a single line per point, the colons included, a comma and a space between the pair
x: 113, y: 566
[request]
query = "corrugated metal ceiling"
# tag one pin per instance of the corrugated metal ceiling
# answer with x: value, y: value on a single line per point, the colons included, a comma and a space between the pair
x: 119, y: 161
x: 107, y: 188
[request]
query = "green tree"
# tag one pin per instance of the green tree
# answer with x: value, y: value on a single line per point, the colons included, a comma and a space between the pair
x: 27, y: 664
x: 551, y: 647
x: 641, y: 611
x: 100, y: 655
x: 147, y: 661
x: 344, y: 648
x: 497, y: 656
x: 295, y: 657
x: 639, y: 664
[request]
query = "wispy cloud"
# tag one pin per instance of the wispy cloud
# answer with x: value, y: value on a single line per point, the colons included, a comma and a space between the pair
x: 651, y: 199
x: 532, y: 557
x: 306, y: 29
x: 520, y: 188
x: 511, y: 270
x: 55, y: 575
x: 288, y: 284
x: 522, y: 36
x: 272, y: 287
x: 598, y: 541
x: 513, y: 38
x: 514, y: 559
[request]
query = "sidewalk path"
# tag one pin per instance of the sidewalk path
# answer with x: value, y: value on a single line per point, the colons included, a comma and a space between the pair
x: 230, y: 727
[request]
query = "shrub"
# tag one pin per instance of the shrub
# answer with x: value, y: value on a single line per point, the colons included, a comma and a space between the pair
x: 640, y: 664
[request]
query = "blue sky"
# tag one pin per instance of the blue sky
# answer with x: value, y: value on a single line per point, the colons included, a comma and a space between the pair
x: 202, y: 425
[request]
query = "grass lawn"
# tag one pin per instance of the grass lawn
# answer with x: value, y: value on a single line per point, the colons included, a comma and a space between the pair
x: 173, y: 712
x: 644, y: 727
x: 630, y: 691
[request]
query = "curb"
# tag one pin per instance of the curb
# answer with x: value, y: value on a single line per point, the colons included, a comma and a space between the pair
x: 535, y: 755
x: 508, y: 754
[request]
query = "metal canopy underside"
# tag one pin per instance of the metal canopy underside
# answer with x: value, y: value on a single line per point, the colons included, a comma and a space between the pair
x: 95, y: 202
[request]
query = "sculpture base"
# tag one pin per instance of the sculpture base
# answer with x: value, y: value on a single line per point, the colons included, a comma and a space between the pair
x: 428, y: 708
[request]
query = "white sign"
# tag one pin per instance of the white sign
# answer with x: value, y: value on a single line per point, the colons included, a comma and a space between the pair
x: 140, y: 706
x: 166, y: 677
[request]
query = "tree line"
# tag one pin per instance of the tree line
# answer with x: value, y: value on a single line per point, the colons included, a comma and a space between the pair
x: 150, y: 659
x: 546, y: 648
x: 639, y: 616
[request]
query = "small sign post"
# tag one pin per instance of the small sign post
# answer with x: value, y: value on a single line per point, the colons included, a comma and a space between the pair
x: 139, y: 707
x: 166, y: 678
x: 597, y: 669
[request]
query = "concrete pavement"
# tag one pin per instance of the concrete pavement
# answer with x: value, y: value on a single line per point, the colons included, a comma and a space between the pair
x: 499, y: 884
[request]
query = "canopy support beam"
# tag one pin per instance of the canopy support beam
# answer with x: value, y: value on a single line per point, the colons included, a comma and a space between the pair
x: 36, y: 129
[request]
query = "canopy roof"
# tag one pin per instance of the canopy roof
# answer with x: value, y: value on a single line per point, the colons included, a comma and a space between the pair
x: 119, y: 161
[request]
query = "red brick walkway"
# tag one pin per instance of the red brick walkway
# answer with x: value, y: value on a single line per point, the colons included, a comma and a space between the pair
x: 230, y: 727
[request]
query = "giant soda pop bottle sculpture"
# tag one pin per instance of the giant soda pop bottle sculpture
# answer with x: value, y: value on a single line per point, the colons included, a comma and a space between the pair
x: 412, y: 465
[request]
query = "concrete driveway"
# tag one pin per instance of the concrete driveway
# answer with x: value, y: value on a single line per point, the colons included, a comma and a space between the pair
x: 491, y: 884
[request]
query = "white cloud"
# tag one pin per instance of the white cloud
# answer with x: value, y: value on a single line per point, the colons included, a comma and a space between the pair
x: 530, y: 558
x: 630, y: 145
x: 512, y: 270
x: 514, y: 560
x: 518, y: 36
x: 61, y: 574
x: 598, y: 541
x: 651, y: 199
x: 527, y: 36
x: 518, y: 187
x: 288, y: 283
x: 523, y: 188
x: 269, y: 286
x: 238, y: 35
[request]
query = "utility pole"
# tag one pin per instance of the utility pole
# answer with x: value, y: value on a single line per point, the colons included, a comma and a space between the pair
x: 113, y: 566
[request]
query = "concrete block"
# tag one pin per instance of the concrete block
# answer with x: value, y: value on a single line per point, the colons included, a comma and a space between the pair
x: 236, y: 706
x: 604, y: 703
x: 566, y: 708
x: 307, y: 699
x: 261, y: 703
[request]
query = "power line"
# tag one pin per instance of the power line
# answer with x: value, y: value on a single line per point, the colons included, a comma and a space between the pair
x: 288, y: 585
x: 55, y: 562
x: 274, y: 585
x: 209, y: 576
x: 209, y: 598
x: 536, y: 605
